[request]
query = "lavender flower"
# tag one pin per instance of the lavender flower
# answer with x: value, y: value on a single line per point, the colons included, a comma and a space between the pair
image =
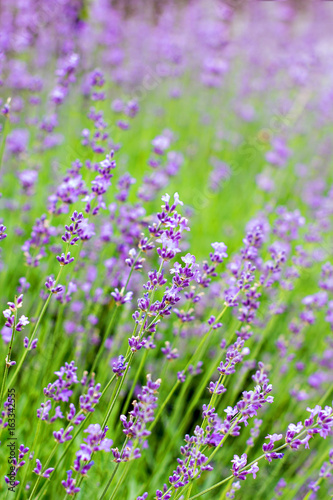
x: 135, y: 426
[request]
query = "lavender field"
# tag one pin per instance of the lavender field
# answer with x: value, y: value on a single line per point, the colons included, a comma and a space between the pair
x: 166, y: 266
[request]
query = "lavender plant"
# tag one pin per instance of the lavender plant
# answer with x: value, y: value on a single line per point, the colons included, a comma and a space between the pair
x: 165, y: 229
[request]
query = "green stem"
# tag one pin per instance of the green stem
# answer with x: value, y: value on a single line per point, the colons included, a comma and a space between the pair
x: 45, y: 467
x: 177, y: 383
x: 3, y: 141
x: 116, y: 392
x: 132, y: 269
x: 114, y: 471
x: 189, y: 492
x: 212, y: 487
x: 200, y: 348
x: 110, y: 481
x: 247, y: 466
x: 7, y: 360
x: 326, y: 395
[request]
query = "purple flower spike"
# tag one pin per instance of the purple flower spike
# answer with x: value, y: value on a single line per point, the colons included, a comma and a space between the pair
x: 47, y: 473
x: 34, y: 344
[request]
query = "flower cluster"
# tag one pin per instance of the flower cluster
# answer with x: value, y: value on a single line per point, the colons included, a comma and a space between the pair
x: 135, y: 426
x: 94, y: 441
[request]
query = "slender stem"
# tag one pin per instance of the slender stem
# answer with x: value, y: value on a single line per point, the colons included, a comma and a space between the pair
x: 193, y: 357
x: 292, y: 493
x: 198, y: 393
x: 45, y: 467
x: 46, y: 484
x: 57, y: 330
